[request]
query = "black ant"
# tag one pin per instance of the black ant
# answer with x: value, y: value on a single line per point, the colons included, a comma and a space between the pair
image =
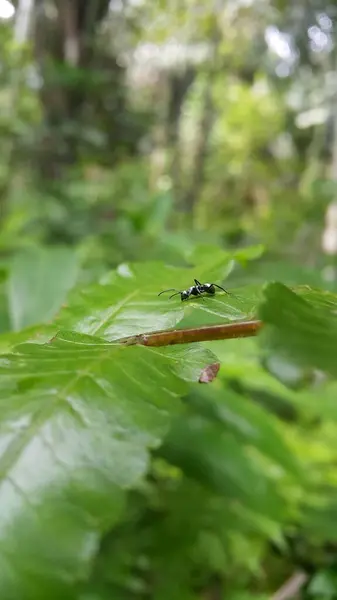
x: 195, y: 290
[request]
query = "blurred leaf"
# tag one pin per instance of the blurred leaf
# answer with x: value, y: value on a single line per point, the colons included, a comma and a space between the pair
x: 243, y: 255
x: 269, y: 270
x: 248, y: 422
x: 323, y: 585
x: 5, y: 324
x: 211, y: 258
x: 205, y: 451
x: 39, y: 280
x: 303, y: 328
x: 216, y: 256
x: 320, y: 518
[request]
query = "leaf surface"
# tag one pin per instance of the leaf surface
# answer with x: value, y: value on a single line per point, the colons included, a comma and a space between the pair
x: 301, y: 326
x: 126, y: 302
x: 208, y: 453
x: 38, y: 284
x: 77, y: 417
x: 249, y: 423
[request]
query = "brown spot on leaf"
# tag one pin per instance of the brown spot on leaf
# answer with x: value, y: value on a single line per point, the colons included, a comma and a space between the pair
x: 209, y: 373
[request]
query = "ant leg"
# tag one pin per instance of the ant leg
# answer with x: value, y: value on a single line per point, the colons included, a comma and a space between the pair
x: 221, y: 288
x: 200, y: 295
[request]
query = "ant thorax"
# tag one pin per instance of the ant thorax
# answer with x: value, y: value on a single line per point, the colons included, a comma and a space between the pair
x: 194, y: 291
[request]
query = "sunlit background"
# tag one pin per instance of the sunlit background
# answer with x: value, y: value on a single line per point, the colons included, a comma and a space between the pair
x: 7, y: 9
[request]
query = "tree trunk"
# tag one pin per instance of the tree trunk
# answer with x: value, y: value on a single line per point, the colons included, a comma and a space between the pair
x: 205, y: 127
x: 65, y: 52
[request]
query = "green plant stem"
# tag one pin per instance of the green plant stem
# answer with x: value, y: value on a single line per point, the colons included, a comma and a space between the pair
x: 195, y: 334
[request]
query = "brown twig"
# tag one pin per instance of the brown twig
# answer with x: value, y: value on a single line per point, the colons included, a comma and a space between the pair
x: 195, y: 334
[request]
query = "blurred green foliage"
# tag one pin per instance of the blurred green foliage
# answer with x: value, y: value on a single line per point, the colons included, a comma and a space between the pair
x: 145, y: 144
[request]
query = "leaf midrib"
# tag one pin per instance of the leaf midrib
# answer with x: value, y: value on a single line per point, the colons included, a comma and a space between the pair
x: 115, y: 309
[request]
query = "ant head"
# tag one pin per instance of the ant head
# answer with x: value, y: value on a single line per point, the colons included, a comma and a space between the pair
x: 209, y: 288
x: 185, y: 294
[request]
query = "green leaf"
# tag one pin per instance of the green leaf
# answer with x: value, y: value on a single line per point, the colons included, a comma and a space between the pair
x: 323, y: 585
x: 320, y: 518
x: 188, y: 360
x: 36, y: 334
x: 5, y: 324
x: 243, y: 255
x: 250, y: 424
x: 216, y: 257
x: 126, y: 302
x: 208, y: 453
x: 38, y: 284
x: 302, y: 327
x: 213, y: 261
x: 239, y: 304
x: 77, y: 417
x: 266, y: 270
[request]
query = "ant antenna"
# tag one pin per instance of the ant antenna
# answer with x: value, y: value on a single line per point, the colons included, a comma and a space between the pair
x: 176, y: 294
x: 169, y: 290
